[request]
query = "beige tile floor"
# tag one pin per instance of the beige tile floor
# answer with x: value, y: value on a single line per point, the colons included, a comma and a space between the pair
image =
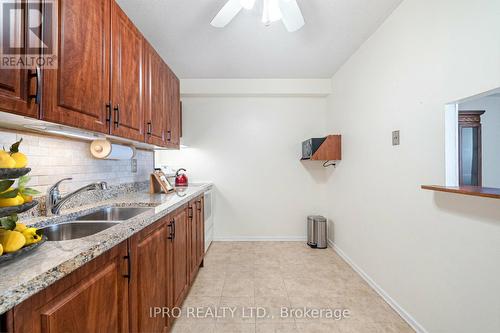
x: 275, y: 275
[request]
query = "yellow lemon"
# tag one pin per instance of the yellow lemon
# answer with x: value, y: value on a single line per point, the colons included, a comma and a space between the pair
x: 21, y: 160
x: 27, y: 198
x: 9, y: 202
x: 12, y: 241
x: 31, y: 236
x: 6, y: 161
x: 20, y: 227
x: 1, y: 249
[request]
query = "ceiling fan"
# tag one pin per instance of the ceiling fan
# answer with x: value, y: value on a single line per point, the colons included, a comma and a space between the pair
x: 273, y: 10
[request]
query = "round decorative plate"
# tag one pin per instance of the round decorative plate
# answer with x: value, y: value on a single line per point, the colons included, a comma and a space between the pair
x: 9, y: 256
x: 6, y: 211
x: 13, y: 173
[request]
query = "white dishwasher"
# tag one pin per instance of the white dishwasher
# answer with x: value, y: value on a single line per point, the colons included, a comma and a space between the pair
x: 209, y: 217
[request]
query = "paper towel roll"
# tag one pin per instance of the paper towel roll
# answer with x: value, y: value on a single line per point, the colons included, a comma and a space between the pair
x: 103, y: 149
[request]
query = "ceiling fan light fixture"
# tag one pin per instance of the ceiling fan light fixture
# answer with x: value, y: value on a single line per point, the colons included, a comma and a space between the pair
x: 227, y: 13
x: 291, y: 15
x: 272, y: 12
x: 247, y: 4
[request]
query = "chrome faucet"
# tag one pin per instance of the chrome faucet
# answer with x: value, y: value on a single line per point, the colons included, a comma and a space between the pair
x: 55, y: 200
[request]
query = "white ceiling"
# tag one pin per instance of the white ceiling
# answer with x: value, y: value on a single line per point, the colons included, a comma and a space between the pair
x: 180, y: 31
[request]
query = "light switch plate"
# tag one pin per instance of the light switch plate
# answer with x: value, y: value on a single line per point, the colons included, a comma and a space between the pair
x: 395, y: 138
x: 133, y: 165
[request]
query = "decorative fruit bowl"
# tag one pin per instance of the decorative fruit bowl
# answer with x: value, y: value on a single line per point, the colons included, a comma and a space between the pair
x: 9, y: 256
x: 13, y: 173
x: 6, y: 211
x: 16, y: 197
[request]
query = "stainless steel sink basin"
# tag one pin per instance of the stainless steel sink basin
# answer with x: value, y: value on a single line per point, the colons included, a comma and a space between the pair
x: 92, y: 223
x: 74, y: 230
x: 114, y: 214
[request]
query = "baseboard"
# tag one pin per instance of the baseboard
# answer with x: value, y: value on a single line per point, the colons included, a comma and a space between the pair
x: 402, y: 312
x: 260, y: 239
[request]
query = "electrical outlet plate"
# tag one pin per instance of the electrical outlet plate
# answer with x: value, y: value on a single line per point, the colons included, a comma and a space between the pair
x: 133, y: 165
x: 395, y: 138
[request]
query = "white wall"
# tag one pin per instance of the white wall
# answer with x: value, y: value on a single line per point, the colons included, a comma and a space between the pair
x: 250, y: 146
x: 437, y: 255
x: 490, y: 131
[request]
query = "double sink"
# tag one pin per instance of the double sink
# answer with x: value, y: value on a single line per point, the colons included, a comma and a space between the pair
x: 92, y: 223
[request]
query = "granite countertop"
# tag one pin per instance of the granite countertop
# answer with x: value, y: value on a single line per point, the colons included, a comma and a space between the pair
x: 34, y: 271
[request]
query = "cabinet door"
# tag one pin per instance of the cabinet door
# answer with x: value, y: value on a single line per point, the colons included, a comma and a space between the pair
x: 174, y: 110
x: 92, y: 299
x: 77, y: 92
x: 149, y: 278
x: 193, y: 240
x: 16, y: 86
x: 126, y: 77
x: 154, y: 99
x: 179, y: 256
x: 200, y: 226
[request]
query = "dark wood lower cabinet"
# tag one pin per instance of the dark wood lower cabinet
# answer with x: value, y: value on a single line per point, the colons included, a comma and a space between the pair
x: 130, y: 288
x: 200, y: 231
x: 94, y: 298
x: 149, y: 288
x: 196, y: 237
x: 180, y: 255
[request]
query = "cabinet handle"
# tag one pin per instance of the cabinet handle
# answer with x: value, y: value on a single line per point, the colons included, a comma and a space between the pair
x: 108, y: 112
x: 190, y: 212
x: 198, y: 205
x: 169, y: 136
x: 38, y: 75
x: 173, y: 236
x: 171, y: 227
x: 128, y: 274
x: 149, y: 128
x: 117, y: 115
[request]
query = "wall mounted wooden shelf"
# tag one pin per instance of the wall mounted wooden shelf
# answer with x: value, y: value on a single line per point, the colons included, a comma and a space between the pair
x: 477, y: 191
x: 330, y: 150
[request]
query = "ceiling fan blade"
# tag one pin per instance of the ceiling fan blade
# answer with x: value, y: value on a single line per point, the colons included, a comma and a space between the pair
x: 291, y: 15
x: 227, y: 13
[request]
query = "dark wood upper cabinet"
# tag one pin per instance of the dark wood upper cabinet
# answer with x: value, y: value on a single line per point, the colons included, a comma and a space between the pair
x: 126, y: 77
x: 18, y: 86
x: 94, y: 298
x: 15, y: 91
x: 155, y: 107
x: 173, y: 120
x: 76, y: 93
x: 176, y: 112
x: 108, y: 79
x: 180, y: 256
x: 149, y: 281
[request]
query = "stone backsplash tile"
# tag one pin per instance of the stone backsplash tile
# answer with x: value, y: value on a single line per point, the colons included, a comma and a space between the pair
x: 54, y: 158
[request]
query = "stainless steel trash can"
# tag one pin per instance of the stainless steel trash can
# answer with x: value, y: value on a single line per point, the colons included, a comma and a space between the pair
x: 317, y: 232
x: 311, y: 231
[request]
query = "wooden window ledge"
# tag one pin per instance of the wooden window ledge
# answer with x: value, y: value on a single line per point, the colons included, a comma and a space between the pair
x: 477, y: 191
